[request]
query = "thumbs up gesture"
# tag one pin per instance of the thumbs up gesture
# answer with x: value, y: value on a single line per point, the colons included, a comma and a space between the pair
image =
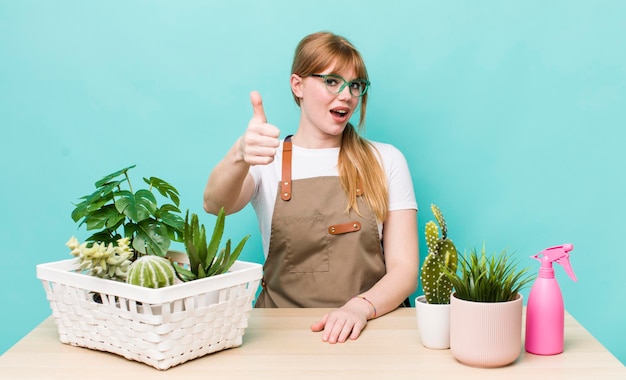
x: 259, y: 143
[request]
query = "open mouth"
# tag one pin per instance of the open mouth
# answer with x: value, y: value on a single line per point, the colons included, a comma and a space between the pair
x: 339, y: 112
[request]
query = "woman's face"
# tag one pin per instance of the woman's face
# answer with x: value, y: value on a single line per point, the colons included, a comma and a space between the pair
x: 324, y: 112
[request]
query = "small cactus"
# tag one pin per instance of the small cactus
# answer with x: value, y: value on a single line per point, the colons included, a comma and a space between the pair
x: 151, y: 272
x: 441, y: 253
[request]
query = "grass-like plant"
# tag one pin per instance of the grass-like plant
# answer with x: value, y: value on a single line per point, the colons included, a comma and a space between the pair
x: 488, y: 279
x: 204, y: 259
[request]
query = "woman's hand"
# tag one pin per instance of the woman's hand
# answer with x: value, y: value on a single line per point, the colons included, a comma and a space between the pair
x: 259, y: 143
x: 345, y: 322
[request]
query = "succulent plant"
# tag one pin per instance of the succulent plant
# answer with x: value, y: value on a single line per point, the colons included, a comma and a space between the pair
x: 151, y: 272
x: 442, y: 254
x: 107, y: 261
x: 204, y: 259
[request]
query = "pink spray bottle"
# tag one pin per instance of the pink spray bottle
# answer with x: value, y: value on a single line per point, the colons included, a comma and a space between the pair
x: 545, y: 312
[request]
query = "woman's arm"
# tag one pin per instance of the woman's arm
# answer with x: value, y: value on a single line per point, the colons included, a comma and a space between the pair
x: 230, y: 185
x: 401, y: 260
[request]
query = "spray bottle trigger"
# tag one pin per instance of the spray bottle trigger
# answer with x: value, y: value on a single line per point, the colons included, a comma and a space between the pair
x: 564, y: 261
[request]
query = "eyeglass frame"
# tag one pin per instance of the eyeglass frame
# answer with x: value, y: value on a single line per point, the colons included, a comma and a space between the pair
x: 345, y: 83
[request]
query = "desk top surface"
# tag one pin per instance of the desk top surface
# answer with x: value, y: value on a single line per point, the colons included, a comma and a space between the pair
x: 278, y: 344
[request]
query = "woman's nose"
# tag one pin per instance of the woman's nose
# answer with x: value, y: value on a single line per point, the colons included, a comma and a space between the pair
x: 344, y: 94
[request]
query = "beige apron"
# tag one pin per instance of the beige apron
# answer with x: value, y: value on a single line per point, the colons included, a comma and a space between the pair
x: 319, y: 255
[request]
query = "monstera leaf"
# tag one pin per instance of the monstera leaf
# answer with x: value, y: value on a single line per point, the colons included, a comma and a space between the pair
x: 114, y: 210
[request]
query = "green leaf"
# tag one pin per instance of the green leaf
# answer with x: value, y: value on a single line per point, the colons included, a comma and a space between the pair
x: 95, y: 204
x: 164, y: 188
x: 220, y: 260
x: 203, y: 252
x: 105, y: 237
x: 79, y: 211
x: 137, y: 207
x: 130, y: 229
x: 170, y: 216
x: 169, y: 208
x: 184, y: 274
x: 216, y: 237
x: 91, y: 202
x: 109, y: 177
x: 151, y: 238
x: 105, y: 217
x: 226, y: 258
x: 190, y: 231
x: 201, y: 272
x: 238, y: 249
x: 175, y: 234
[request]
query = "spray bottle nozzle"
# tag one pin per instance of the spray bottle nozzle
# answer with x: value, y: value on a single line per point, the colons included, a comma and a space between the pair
x: 558, y: 254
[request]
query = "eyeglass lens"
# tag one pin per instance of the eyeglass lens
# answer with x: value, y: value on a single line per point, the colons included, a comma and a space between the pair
x: 336, y: 84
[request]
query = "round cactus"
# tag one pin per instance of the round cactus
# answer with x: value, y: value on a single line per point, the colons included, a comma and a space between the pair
x: 151, y: 272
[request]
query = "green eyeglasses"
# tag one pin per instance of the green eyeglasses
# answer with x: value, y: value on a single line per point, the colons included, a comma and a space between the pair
x: 335, y: 84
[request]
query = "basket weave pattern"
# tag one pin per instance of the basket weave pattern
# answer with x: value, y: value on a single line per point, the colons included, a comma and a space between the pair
x: 160, y: 334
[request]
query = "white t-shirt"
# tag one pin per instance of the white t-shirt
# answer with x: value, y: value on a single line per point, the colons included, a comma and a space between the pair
x: 308, y: 163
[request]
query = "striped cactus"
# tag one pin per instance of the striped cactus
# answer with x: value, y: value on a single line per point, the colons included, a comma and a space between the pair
x: 441, y: 253
x: 151, y: 272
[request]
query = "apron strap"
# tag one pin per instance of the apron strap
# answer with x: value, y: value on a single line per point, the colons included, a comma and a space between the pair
x: 285, y: 183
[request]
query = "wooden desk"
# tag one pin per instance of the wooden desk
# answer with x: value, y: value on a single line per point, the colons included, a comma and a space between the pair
x: 279, y: 345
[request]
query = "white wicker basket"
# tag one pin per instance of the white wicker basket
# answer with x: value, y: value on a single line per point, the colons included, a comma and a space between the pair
x: 159, y: 327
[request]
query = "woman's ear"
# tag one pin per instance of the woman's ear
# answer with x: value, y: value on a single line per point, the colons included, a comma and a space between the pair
x: 296, y: 85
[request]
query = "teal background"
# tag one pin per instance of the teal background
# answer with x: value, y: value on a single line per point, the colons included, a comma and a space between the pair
x: 510, y: 114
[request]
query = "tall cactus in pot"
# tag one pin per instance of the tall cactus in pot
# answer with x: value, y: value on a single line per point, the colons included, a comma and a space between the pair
x: 441, y: 253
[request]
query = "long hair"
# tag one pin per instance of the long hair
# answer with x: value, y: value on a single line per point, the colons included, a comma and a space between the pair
x: 358, y: 163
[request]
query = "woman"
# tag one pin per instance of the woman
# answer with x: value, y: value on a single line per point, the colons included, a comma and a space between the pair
x: 337, y: 213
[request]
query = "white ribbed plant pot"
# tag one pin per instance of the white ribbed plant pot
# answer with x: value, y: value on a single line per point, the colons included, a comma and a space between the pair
x: 433, y: 323
x: 485, y: 334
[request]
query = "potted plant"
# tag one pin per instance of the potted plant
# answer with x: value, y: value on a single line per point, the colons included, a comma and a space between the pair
x: 486, y: 309
x: 433, y: 307
x: 157, y: 324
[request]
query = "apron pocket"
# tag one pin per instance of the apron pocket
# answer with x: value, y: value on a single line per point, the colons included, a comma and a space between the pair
x: 305, y: 242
